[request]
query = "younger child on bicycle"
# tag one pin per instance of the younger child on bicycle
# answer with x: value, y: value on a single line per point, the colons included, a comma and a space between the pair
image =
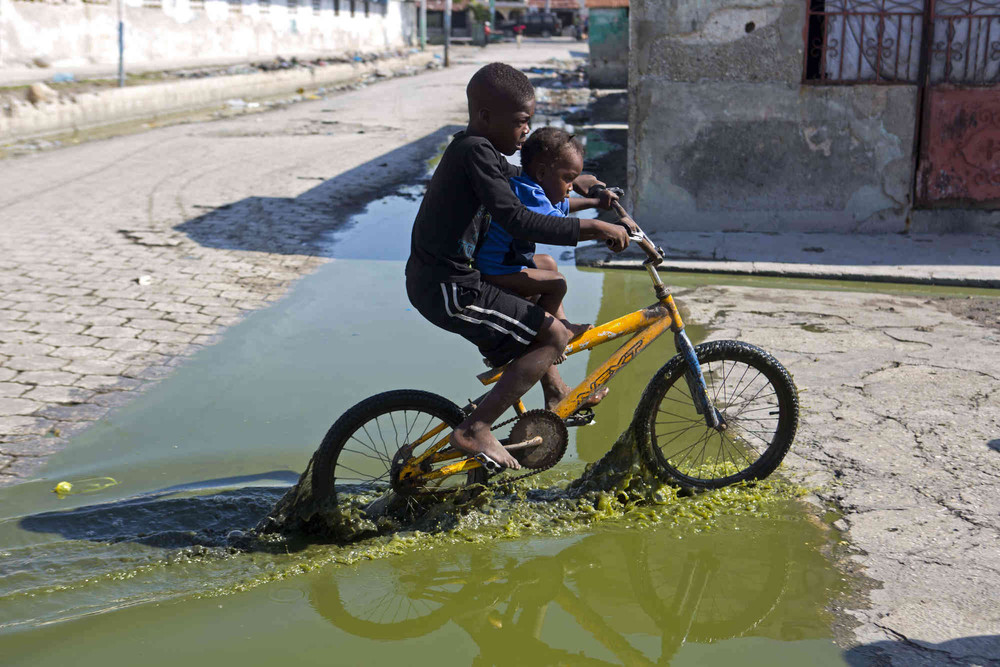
x: 470, y: 189
x: 551, y: 160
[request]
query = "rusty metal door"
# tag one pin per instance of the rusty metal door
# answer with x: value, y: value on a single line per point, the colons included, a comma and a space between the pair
x: 959, y: 159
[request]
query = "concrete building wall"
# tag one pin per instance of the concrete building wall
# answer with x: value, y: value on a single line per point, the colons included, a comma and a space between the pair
x: 86, y: 33
x: 723, y: 135
x: 608, y: 36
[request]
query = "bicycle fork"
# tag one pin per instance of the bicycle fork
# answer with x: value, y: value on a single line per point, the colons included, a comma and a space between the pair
x: 696, y: 383
x: 693, y: 375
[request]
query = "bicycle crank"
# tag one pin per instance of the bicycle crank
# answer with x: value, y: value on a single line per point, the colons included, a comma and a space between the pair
x: 532, y: 425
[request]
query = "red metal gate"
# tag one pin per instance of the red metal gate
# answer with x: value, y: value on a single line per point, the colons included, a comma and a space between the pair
x: 959, y: 159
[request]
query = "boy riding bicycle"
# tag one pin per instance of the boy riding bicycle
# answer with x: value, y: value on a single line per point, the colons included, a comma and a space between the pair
x: 470, y: 189
x: 551, y: 160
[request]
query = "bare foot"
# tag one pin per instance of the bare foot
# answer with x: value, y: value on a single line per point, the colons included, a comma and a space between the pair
x: 576, y: 329
x: 480, y: 441
x: 555, y: 393
x: 595, y: 398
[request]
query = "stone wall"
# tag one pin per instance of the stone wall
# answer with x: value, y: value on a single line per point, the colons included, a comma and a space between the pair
x: 85, y: 33
x: 724, y: 136
x: 608, y: 35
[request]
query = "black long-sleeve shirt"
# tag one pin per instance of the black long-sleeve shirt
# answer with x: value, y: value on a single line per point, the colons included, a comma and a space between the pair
x: 470, y: 188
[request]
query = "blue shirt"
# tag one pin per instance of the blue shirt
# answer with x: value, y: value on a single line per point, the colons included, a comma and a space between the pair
x: 501, y: 253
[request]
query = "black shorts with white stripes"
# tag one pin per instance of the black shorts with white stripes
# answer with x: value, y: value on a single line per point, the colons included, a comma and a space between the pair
x: 499, y: 323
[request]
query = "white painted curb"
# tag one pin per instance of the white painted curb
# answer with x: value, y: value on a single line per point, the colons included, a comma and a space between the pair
x: 119, y: 105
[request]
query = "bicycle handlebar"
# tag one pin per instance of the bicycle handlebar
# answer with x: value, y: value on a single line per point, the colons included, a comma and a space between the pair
x: 654, y: 254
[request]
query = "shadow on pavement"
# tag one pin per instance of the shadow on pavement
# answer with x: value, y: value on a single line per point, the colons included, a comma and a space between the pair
x: 296, y: 226
x: 978, y: 650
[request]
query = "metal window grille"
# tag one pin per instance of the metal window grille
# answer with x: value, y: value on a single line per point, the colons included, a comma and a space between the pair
x: 965, y: 47
x: 864, y: 41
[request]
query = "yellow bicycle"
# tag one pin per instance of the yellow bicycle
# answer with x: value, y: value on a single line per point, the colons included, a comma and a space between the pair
x: 716, y: 413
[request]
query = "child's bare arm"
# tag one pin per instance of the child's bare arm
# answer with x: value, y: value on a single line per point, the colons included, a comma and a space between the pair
x: 604, y: 200
x: 583, y: 183
x: 582, y: 203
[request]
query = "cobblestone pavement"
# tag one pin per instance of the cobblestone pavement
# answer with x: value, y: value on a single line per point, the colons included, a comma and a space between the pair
x: 119, y: 258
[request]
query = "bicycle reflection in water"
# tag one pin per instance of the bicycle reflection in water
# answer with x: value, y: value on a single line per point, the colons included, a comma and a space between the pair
x: 609, y: 596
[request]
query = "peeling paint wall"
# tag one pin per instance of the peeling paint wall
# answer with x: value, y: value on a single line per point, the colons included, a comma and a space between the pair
x: 608, y: 35
x: 723, y: 136
x: 78, y: 33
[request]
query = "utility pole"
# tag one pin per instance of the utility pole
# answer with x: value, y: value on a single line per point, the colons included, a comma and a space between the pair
x: 423, y: 25
x: 548, y: 6
x: 121, y: 43
x: 493, y: 14
x: 447, y: 30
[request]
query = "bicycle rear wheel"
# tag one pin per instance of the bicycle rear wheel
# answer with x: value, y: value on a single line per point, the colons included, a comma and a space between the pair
x: 757, y: 400
x: 358, y: 449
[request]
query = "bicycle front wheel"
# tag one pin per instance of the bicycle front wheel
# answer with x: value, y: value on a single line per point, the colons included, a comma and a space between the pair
x: 758, y: 402
x: 358, y: 450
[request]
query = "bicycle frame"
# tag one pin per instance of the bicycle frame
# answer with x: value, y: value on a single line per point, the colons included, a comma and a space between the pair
x: 645, y: 326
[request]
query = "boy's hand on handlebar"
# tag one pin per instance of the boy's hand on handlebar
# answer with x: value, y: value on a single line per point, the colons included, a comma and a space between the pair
x: 627, y: 220
x: 614, y: 235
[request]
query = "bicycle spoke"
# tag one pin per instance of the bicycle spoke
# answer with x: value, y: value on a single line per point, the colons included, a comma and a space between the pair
x: 680, y: 432
x: 394, y: 429
x: 378, y: 458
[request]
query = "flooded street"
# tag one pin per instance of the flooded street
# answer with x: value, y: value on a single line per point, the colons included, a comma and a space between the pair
x: 148, y: 567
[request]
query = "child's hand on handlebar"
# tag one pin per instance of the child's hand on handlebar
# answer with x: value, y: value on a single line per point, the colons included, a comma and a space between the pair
x: 606, y: 199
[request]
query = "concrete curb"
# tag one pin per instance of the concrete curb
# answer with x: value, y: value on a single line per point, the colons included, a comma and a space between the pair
x: 121, y: 105
x: 955, y: 259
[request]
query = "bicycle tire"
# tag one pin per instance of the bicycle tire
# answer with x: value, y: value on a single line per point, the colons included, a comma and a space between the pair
x: 351, y: 423
x: 716, y: 615
x: 746, y: 425
x: 401, y: 612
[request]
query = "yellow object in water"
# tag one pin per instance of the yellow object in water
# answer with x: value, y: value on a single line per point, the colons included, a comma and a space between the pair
x: 88, y: 485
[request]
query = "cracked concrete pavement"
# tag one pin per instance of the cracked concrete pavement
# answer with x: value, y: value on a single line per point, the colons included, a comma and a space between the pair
x: 900, y: 429
x: 121, y: 257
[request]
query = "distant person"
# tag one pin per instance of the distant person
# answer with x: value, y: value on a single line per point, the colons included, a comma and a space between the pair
x: 551, y: 160
x: 468, y: 191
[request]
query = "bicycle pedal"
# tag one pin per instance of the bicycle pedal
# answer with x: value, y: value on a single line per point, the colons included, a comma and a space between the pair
x: 491, y: 466
x: 582, y: 417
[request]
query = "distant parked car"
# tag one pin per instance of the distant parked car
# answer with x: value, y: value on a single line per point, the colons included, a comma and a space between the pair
x: 511, y: 27
x: 542, y: 24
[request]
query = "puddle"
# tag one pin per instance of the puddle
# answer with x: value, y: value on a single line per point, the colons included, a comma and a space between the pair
x: 147, y: 566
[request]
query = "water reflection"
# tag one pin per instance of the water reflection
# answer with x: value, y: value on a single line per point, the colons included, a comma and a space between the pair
x: 629, y: 597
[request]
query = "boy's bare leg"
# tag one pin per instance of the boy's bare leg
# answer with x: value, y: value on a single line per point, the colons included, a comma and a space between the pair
x: 473, y: 435
x: 549, y: 286
x: 544, y: 262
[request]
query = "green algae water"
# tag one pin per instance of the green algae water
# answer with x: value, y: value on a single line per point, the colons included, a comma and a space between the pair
x: 159, y: 568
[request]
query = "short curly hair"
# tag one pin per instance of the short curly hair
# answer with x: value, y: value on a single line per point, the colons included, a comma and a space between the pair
x: 547, y: 144
x: 499, y: 80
